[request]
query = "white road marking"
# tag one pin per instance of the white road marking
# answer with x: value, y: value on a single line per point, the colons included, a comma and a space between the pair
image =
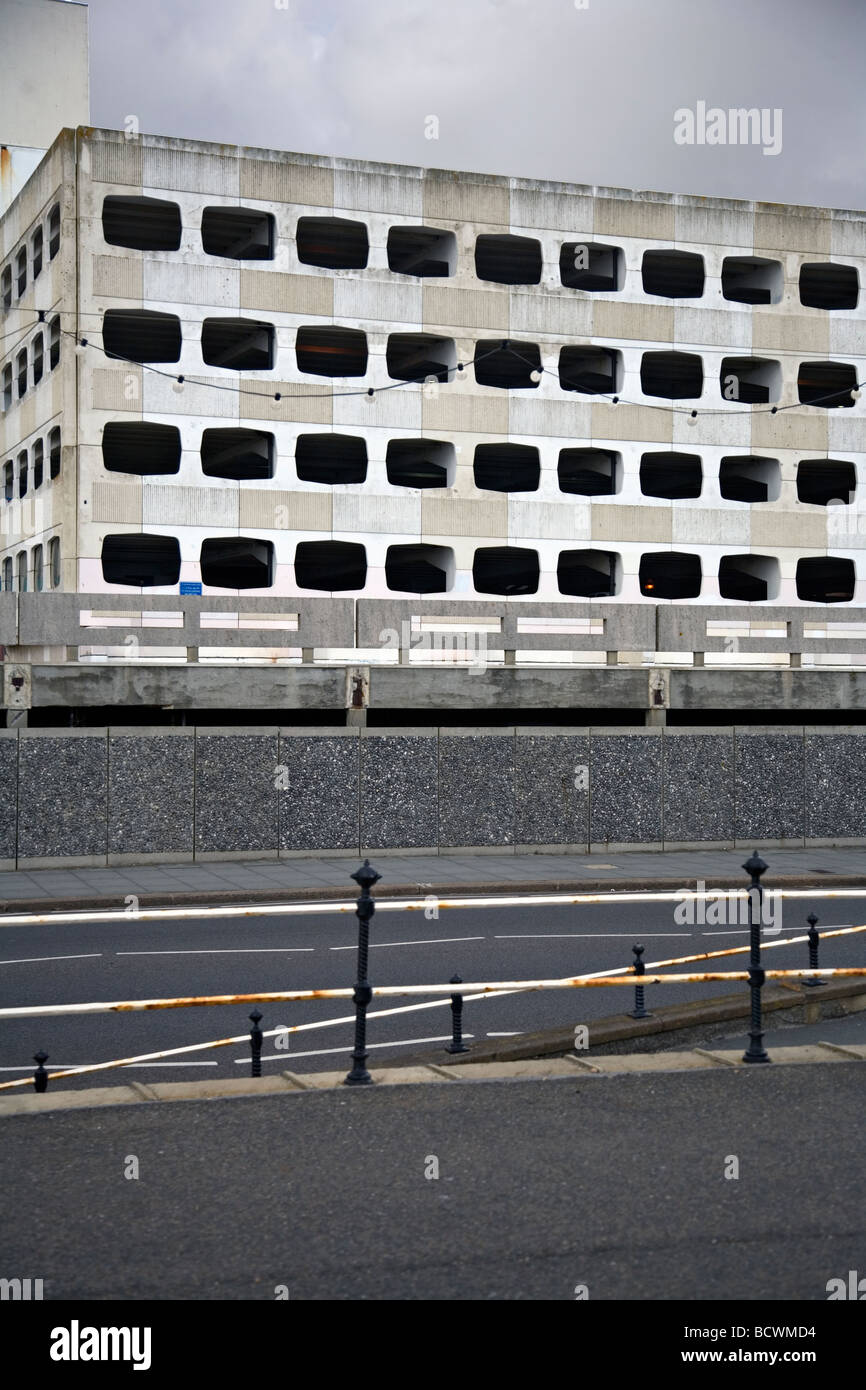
x: 32, y: 960
x: 503, y: 1035
x: 431, y: 941
x: 228, y: 951
x: 611, y: 897
x: 328, y: 1051
x: 582, y: 935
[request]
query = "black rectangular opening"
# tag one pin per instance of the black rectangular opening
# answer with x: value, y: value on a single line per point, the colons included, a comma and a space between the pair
x: 420, y: 463
x: 826, y: 285
x: 748, y: 578
x: 417, y: 569
x: 330, y: 565
x: 750, y: 380
x: 143, y: 561
x: 331, y: 351
x: 141, y: 335
x: 749, y: 479
x: 505, y: 569
x: 587, y: 265
x: 144, y: 224
x: 827, y: 384
x: 509, y: 366
x: 508, y: 260
x: 825, y: 579
x: 671, y: 475
x: 752, y: 280
x: 244, y: 345
x: 592, y: 370
x: 244, y: 455
x: 587, y: 573
x: 242, y: 234
x: 54, y: 452
x: 673, y: 274
x: 331, y: 459
x: 38, y: 463
x: 140, y: 447
x: 422, y: 251
x: 673, y: 375
x: 507, y: 467
x: 237, y: 562
x: 588, y: 472
x: 336, y: 243
x: 420, y: 356
x: 670, y: 574
x: 821, y: 481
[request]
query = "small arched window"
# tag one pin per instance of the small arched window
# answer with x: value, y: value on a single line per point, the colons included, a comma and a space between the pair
x: 53, y: 232
x: 22, y: 571
x: 54, y: 562
x: 36, y: 245
x: 54, y: 452
x: 38, y: 359
x: 21, y: 270
x: 21, y: 372
x: 8, y: 581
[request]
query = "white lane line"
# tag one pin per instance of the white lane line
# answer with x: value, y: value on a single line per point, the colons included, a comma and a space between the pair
x: 228, y: 951
x: 611, y: 897
x: 582, y: 935
x: 503, y: 1035
x: 431, y: 941
x: 66, y: 1066
x: 28, y: 960
x: 328, y: 1051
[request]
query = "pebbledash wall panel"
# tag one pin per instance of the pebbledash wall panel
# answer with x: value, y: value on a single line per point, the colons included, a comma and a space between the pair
x: 132, y: 795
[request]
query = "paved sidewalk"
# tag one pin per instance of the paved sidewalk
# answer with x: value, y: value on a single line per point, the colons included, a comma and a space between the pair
x: 313, y: 878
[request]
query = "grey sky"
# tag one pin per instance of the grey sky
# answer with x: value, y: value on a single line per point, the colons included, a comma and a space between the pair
x: 538, y: 88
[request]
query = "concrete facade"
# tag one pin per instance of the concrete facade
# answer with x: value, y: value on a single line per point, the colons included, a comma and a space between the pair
x: 130, y: 795
x: 761, y: 346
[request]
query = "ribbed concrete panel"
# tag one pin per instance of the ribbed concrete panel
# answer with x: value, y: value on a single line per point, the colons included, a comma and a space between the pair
x: 283, y: 181
x: 649, y: 322
x: 456, y: 198
x: 118, y: 277
x: 652, y: 524
x: 113, y: 389
x: 115, y: 161
x: 789, y: 430
x: 466, y: 308
x: 310, y: 404
x: 288, y: 294
x: 172, y: 282
x: 452, y: 517
x: 389, y: 515
x: 189, y: 171
x: 189, y: 506
x: 117, y: 502
x: 550, y: 313
x: 395, y: 410
x: 198, y: 397
x: 711, y: 526
x: 846, y: 237
x: 463, y: 412
x: 285, y: 511
x: 846, y: 434
x: 358, y: 190
x: 567, y: 420
x: 783, y: 230
x: 726, y: 223
x: 631, y: 422
x: 848, y: 336
x: 553, y: 210
x: 634, y: 217
x: 799, y: 529
x: 377, y: 300
x: 711, y: 328
x: 527, y: 520
x: 804, y: 333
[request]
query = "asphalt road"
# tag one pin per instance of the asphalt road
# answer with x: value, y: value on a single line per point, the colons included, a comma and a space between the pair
x: 613, y: 1183
x: 210, y: 954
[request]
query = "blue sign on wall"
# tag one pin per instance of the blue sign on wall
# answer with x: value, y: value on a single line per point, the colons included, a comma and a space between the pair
x: 187, y: 587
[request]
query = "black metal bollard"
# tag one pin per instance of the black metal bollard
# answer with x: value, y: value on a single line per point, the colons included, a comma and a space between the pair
x: 256, y: 1043
x: 639, y: 1010
x: 40, y: 1080
x: 814, y: 938
x: 457, y: 1044
x: 365, y: 877
x: 755, y: 867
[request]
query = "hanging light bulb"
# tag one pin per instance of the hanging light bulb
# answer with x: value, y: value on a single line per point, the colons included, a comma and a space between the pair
x: 177, y: 386
x: 693, y: 418
x: 80, y: 346
x: 535, y: 375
